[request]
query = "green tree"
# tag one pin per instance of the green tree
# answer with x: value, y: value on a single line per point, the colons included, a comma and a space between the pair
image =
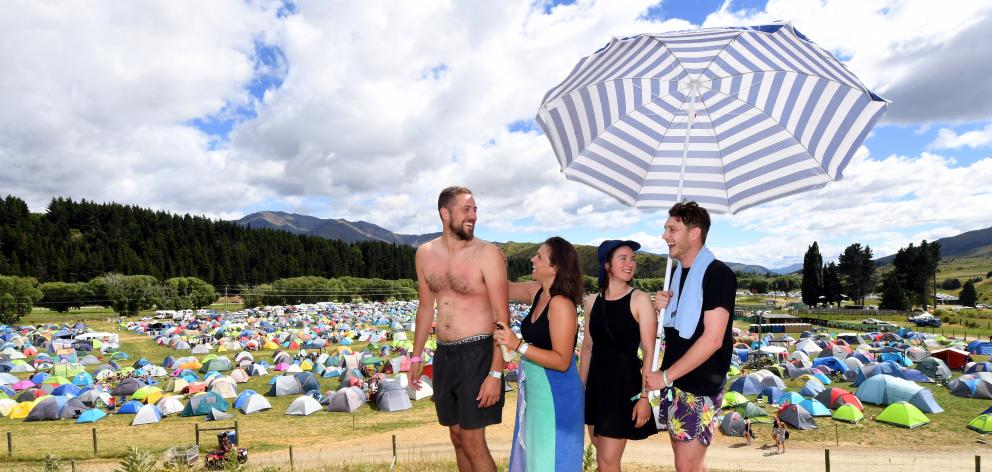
x: 129, y: 294
x: 62, y: 296
x: 968, y: 295
x: 951, y: 284
x: 188, y: 293
x: 812, y: 286
x: 857, y: 270
x: 19, y: 295
x: 832, y: 287
x: 893, y: 296
x: 758, y: 286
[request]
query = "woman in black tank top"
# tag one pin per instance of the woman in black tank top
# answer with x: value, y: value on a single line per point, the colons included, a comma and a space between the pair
x: 618, y: 320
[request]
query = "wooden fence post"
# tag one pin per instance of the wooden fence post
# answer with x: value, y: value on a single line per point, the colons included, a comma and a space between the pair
x: 10, y: 445
x: 290, y: 457
x: 94, y: 442
x: 237, y: 433
x: 826, y: 458
x: 196, y: 430
x: 978, y: 463
x: 72, y: 466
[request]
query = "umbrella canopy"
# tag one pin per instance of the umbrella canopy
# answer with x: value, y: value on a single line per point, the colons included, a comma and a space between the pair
x: 727, y: 117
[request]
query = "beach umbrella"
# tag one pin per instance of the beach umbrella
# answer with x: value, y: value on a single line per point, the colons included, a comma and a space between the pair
x: 727, y: 117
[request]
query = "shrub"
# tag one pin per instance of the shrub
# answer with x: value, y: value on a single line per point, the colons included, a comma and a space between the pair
x: 51, y: 463
x: 137, y: 460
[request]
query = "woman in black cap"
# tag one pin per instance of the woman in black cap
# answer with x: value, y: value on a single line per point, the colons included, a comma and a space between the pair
x: 619, y: 319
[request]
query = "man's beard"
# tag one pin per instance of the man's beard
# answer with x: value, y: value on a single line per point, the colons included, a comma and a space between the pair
x: 460, y: 232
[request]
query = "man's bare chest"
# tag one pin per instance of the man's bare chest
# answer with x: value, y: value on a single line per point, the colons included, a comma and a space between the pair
x: 457, y: 278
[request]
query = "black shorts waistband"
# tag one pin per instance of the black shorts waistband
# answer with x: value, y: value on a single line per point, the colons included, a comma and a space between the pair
x: 469, y: 341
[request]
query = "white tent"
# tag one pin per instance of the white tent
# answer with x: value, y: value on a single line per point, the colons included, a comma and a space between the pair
x: 254, y: 404
x: 146, y: 415
x: 170, y: 405
x: 303, y: 406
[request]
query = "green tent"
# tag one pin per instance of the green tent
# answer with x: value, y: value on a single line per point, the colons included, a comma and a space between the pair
x: 750, y: 410
x: 848, y: 413
x: 201, y: 403
x: 903, y: 414
x: 66, y: 369
x: 982, y: 424
x: 732, y: 399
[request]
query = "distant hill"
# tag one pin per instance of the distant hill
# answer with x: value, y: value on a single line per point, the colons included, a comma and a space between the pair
x: 788, y: 269
x: 344, y: 230
x: 650, y: 265
x: 977, y: 243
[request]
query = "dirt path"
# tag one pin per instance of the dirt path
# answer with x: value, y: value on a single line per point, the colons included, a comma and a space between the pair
x: 431, y: 441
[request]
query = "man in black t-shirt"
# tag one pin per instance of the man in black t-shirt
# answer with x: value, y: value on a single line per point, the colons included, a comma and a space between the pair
x: 697, y: 353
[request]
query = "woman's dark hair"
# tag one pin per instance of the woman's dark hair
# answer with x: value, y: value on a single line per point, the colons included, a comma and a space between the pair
x: 568, y: 278
x: 604, y: 275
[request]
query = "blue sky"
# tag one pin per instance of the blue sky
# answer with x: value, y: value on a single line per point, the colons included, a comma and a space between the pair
x: 365, y: 111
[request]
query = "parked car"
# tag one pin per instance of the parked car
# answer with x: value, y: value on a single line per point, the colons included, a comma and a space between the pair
x: 871, y: 321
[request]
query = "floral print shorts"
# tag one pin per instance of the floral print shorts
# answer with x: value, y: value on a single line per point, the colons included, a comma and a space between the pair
x: 690, y: 417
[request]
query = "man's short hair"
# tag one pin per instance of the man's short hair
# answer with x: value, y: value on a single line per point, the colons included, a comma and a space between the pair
x: 448, y: 195
x: 692, y: 216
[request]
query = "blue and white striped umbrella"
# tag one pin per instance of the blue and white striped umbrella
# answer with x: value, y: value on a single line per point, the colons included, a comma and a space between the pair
x: 727, y: 117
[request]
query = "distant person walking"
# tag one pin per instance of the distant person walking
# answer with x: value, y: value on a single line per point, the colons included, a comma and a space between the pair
x: 619, y: 319
x: 464, y: 278
x: 697, y: 321
x: 548, y: 434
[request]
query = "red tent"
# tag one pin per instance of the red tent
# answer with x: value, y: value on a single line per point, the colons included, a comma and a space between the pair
x: 954, y: 358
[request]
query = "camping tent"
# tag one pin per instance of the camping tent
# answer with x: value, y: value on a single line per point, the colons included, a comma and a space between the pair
x: 90, y: 416
x: 814, y: 407
x: 254, y: 404
x: 285, y: 385
x: 982, y: 423
x: 848, y: 414
x: 902, y: 414
x: 305, y: 405
x: 732, y: 424
x: 748, y: 385
x: 346, y: 400
x: 934, y: 368
x: 201, y: 403
x: 796, y: 416
x: 732, y: 399
x: 170, y: 406
x: 392, y: 397
x: 954, y: 358
x: 217, y: 415
x: 886, y: 389
x: 146, y: 415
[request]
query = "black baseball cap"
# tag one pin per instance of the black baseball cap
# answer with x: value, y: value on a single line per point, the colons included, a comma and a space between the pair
x: 607, y: 247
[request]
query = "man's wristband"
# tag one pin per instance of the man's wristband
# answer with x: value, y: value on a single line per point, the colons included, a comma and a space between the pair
x: 415, y: 359
x: 495, y: 374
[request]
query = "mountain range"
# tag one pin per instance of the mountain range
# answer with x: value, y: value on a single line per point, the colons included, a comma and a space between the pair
x: 348, y: 231
x: 969, y: 244
x: 352, y: 231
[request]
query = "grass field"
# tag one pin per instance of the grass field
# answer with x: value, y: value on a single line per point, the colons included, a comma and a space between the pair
x: 272, y: 431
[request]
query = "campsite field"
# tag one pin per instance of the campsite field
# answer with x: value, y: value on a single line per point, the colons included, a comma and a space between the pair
x: 270, y: 434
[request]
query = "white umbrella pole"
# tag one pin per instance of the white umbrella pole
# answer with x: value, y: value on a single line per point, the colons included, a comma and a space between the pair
x: 693, y: 91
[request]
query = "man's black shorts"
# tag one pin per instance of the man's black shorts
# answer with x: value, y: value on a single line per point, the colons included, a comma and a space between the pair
x: 460, y: 367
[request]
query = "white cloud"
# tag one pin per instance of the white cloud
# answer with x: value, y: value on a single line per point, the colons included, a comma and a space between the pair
x: 948, y: 139
x: 383, y: 105
x: 878, y: 203
x: 930, y: 61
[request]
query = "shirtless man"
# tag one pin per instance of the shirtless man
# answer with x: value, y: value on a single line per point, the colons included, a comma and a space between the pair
x: 466, y: 279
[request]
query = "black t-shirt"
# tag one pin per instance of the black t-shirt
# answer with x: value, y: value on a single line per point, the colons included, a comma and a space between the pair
x: 719, y: 290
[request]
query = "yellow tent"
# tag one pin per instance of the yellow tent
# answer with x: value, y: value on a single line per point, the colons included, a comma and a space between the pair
x: 20, y: 411
x: 306, y: 365
x: 270, y: 345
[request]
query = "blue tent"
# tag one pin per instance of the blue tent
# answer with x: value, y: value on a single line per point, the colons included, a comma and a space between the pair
x: 811, y: 388
x: 976, y: 367
x: 980, y: 347
x: 747, y: 385
x: 82, y: 379
x: 915, y: 375
x: 814, y: 407
x: 772, y: 394
x: 243, y: 397
x: 886, y: 389
x: 67, y: 389
x: 896, y: 357
x: 790, y: 397
x: 130, y: 407
x: 832, y: 362
x: 822, y: 378
x: 39, y: 378
x: 90, y: 416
